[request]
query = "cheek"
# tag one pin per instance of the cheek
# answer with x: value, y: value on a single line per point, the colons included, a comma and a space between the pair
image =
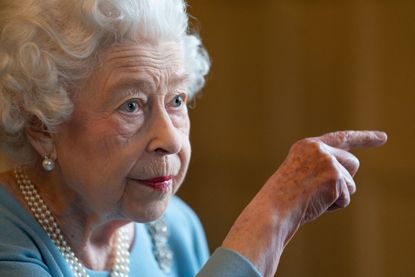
x: 127, y: 128
x: 103, y: 145
x: 184, y: 157
x: 181, y: 122
x: 185, y: 153
x: 95, y: 159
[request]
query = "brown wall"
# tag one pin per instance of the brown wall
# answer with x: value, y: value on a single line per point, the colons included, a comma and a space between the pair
x: 283, y: 70
x: 287, y: 69
x: 3, y: 164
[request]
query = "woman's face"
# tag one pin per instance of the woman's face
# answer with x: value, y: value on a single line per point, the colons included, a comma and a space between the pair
x: 126, y: 148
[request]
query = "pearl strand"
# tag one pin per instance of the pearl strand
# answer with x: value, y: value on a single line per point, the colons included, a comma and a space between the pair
x: 49, y: 224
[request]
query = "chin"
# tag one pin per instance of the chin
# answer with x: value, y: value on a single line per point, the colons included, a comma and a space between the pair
x: 148, y: 212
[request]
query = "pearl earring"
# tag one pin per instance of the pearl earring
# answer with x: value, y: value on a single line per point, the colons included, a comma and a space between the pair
x: 48, y: 164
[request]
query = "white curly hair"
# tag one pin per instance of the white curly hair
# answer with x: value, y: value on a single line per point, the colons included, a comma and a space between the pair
x: 48, y: 47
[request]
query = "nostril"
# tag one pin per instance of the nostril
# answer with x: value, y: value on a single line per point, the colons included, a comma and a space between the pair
x: 161, y: 151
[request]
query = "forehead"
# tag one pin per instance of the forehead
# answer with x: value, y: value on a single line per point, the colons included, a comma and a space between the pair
x: 131, y: 53
x: 147, y: 64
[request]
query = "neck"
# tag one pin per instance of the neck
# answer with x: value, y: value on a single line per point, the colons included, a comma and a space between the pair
x: 90, y: 236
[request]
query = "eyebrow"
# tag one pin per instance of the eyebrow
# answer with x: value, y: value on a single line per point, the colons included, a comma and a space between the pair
x: 125, y: 83
x: 129, y: 86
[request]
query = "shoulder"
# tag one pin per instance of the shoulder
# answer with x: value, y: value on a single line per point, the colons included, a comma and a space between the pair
x: 24, y: 247
x: 14, y: 220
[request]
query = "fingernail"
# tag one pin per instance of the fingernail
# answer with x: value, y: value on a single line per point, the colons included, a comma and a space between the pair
x: 381, y: 135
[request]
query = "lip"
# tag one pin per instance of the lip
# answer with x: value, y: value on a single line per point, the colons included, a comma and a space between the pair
x: 161, y: 183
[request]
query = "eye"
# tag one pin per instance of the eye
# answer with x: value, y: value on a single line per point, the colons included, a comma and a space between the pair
x: 178, y: 101
x: 130, y: 106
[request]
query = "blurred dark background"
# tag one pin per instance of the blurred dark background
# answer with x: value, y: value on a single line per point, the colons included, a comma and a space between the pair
x: 284, y: 70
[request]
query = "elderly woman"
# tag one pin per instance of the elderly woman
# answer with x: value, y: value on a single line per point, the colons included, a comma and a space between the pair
x: 93, y: 110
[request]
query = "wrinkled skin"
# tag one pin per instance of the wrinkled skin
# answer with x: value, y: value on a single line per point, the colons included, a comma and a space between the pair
x: 316, y: 176
x: 128, y: 126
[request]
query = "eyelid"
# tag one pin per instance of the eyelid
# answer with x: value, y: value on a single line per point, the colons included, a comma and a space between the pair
x: 129, y: 93
x: 182, y: 94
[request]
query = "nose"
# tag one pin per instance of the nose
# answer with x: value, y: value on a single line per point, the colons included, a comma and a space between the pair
x: 164, y: 136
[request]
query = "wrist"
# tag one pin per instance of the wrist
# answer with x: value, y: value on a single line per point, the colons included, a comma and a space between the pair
x: 261, y: 232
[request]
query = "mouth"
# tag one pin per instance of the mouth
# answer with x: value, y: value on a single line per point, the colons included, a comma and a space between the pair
x: 161, y: 183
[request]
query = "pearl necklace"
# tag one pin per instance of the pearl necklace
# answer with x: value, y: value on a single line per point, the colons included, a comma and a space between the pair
x: 48, y: 222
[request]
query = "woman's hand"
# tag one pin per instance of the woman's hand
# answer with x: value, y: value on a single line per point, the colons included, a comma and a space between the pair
x: 316, y: 176
x: 318, y: 173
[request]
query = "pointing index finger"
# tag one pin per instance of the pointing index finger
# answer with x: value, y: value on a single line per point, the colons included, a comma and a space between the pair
x: 354, y: 139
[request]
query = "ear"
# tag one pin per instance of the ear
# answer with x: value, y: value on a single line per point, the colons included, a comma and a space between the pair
x: 40, y: 138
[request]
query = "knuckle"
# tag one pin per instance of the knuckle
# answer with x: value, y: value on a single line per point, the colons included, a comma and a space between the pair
x: 351, y: 163
x: 332, y: 173
x: 343, y: 137
x: 334, y: 193
x: 328, y: 161
x: 343, y: 203
x: 299, y: 146
x: 334, y: 176
x: 352, y: 188
x: 310, y: 144
x: 356, y: 162
x: 340, y: 195
x: 368, y: 138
